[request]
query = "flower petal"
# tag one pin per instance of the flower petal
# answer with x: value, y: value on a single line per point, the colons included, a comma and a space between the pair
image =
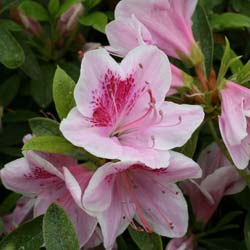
x: 95, y: 65
x: 126, y: 35
x: 151, y: 68
x: 177, y: 126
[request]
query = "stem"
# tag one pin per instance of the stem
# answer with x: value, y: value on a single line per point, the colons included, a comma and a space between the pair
x: 201, y: 77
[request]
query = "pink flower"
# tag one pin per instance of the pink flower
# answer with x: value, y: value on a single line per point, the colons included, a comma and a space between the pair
x: 119, y: 192
x: 120, y: 110
x: 219, y: 178
x: 164, y: 23
x: 41, y: 177
x: 183, y: 243
x: 235, y: 122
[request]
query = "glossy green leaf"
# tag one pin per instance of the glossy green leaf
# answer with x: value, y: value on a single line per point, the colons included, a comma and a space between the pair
x: 204, y: 37
x: 230, y: 21
x: 8, y: 203
x: 9, y: 89
x: 241, y: 6
x: 11, y: 53
x: 89, y: 4
x: 26, y: 237
x: 190, y: 146
x: 58, y: 230
x: 146, y: 241
x: 63, y: 87
x: 97, y: 20
x: 10, y: 25
x: 54, y: 6
x: 41, y: 89
x: 50, y: 144
x: 44, y: 126
x: 19, y: 115
x: 34, y: 10
x: 66, y: 5
x: 226, y: 61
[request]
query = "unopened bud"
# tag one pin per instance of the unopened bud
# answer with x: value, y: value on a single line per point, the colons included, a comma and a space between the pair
x: 69, y: 19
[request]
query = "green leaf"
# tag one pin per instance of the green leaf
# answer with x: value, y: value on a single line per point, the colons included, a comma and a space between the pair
x: 247, y: 231
x: 229, y: 21
x: 50, y: 144
x: 243, y: 75
x: 97, y: 20
x: 11, y: 53
x: 58, y: 230
x: 9, y: 203
x: 1, y: 225
x: 204, y: 37
x: 226, y: 62
x: 9, y: 89
x: 34, y: 10
x: 146, y: 241
x: 31, y: 65
x: 63, y: 87
x: 241, y: 6
x: 27, y: 237
x: 19, y: 115
x: 41, y: 89
x: 44, y: 126
x: 90, y: 4
x: 66, y: 5
x: 210, y: 4
x: 189, y: 148
x: 10, y: 25
x: 228, y: 218
x: 54, y: 7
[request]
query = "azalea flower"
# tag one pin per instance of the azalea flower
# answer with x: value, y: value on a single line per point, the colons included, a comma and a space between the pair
x: 164, y: 23
x: 183, y: 243
x: 235, y: 122
x: 119, y: 192
x: 40, y: 178
x: 120, y: 110
x: 219, y: 178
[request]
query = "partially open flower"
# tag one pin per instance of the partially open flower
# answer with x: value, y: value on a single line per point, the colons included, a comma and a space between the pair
x: 234, y: 122
x: 164, y: 23
x: 219, y: 178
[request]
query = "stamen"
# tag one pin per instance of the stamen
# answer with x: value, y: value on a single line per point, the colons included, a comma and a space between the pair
x: 146, y: 114
x: 138, y: 208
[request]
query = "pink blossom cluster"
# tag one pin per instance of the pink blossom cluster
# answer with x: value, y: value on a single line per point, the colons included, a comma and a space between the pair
x: 121, y: 115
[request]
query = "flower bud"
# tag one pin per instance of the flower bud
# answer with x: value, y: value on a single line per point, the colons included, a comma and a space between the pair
x: 69, y: 19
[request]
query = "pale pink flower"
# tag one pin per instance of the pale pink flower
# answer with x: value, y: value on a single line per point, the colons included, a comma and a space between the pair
x: 183, y: 243
x: 40, y: 176
x: 235, y: 122
x: 120, y: 110
x: 119, y: 192
x: 164, y: 23
x: 219, y: 178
